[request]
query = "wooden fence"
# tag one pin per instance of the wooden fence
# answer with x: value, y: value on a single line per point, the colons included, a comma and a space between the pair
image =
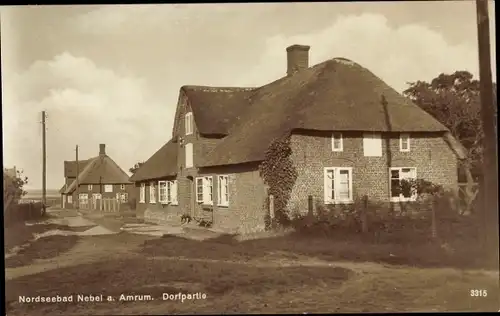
x: 107, y: 205
x: 465, y: 200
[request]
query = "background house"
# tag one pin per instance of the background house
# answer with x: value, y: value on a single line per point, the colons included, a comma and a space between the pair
x: 350, y: 135
x: 98, y: 177
x: 158, y: 172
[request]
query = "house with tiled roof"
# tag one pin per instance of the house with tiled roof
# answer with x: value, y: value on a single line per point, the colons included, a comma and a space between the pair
x: 91, y: 180
x: 349, y: 135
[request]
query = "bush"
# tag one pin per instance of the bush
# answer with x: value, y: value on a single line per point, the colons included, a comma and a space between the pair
x: 409, y: 222
x: 23, y: 212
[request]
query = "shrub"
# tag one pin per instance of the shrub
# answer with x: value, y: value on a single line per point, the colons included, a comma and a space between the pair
x: 279, y: 173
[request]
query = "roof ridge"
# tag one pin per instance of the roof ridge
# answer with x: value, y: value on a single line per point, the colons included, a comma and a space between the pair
x: 218, y: 89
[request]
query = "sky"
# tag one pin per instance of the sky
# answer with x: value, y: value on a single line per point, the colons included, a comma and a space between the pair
x: 112, y: 74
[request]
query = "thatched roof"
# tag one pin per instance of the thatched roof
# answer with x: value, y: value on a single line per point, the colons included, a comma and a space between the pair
x: 99, y: 170
x: 337, y: 94
x: 161, y: 164
x: 215, y: 109
x: 70, y: 169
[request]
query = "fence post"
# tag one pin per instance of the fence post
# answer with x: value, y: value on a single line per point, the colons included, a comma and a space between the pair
x: 364, y: 221
x: 434, y: 219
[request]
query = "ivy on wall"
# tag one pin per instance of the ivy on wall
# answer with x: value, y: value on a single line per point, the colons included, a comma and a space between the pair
x: 279, y: 173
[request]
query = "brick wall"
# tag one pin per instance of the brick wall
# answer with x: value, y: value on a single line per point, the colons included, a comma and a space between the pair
x: 430, y: 154
x: 156, y: 212
x: 245, y: 212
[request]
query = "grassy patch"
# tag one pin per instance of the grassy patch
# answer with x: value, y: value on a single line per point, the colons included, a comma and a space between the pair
x: 244, y: 277
x: 43, y: 248
x: 19, y: 234
x: 226, y: 247
x: 155, y: 277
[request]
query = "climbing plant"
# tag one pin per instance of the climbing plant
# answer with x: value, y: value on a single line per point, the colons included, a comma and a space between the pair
x: 279, y: 173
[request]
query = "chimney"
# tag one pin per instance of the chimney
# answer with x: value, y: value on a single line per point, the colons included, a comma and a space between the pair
x: 102, y: 149
x: 297, y: 58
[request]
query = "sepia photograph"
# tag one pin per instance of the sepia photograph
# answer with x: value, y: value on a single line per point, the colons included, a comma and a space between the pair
x: 250, y: 158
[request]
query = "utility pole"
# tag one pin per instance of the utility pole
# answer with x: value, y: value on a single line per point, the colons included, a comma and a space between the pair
x: 77, y: 184
x: 44, y: 164
x: 490, y: 167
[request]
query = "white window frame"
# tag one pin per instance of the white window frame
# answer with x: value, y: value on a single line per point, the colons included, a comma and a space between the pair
x: 152, y: 193
x: 124, y: 197
x: 96, y: 196
x: 172, y: 192
x: 163, y: 191
x: 122, y: 187
x: 340, y: 137
x: 369, y: 140
x: 89, y: 187
x: 326, y: 186
x: 223, y: 191
x: 199, y: 183
x: 142, y: 193
x: 108, y: 188
x: 83, y: 198
x: 188, y: 123
x: 402, y: 198
x: 208, y: 190
x: 69, y: 199
x: 189, y: 155
x: 404, y: 137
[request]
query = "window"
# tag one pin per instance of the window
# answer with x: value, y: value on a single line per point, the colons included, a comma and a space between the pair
x: 122, y: 197
x: 372, y: 145
x: 108, y: 188
x: 404, y: 142
x: 208, y: 190
x: 122, y: 187
x: 189, y: 155
x: 152, y: 193
x: 222, y: 190
x: 172, y: 192
x: 70, y: 199
x: 163, y: 194
x: 96, y: 196
x: 338, y: 185
x: 337, y: 142
x: 188, y: 122
x: 199, y: 190
x: 83, y: 198
x: 400, y: 192
x: 142, y: 193
x: 89, y: 188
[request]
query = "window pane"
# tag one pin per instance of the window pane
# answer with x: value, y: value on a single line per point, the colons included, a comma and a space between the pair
x: 343, y: 189
x: 404, y: 144
x: 336, y: 143
x: 395, y: 174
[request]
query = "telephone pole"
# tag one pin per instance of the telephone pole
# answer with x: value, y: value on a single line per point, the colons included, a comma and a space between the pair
x: 490, y: 167
x: 44, y: 164
x: 77, y: 184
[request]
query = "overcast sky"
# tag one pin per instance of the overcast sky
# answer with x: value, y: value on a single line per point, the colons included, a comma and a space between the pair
x: 111, y: 74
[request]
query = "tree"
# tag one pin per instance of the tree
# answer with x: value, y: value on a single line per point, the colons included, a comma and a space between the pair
x: 454, y: 100
x: 13, y: 188
x: 136, y: 167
